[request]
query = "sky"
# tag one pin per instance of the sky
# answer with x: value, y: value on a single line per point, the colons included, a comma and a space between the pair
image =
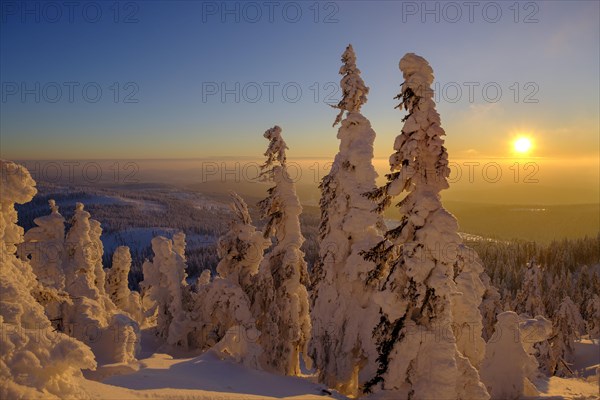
x: 186, y: 79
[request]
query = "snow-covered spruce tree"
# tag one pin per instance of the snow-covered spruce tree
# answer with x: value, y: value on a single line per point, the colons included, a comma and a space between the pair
x: 491, y: 306
x: 281, y: 305
x: 73, y: 266
x: 354, y: 90
x: 117, y: 285
x: 417, y: 262
x: 204, y: 278
x: 222, y: 315
x: 241, y: 248
x: 98, y: 247
x: 93, y: 318
x: 529, y: 299
x: 343, y: 311
x: 507, y: 366
x: 590, y: 306
x: 221, y: 319
x: 164, y: 283
x: 82, y: 253
x: 44, y: 246
x: 179, y: 244
x: 553, y: 295
x: 35, y: 361
x: 593, y: 313
x: 568, y: 326
x: 466, y: 314
x: 218, y: 306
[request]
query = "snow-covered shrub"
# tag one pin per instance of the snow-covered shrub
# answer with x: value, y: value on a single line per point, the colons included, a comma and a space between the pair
x: 35, y: 360
x: 417, y: 262
x: 343, y: 311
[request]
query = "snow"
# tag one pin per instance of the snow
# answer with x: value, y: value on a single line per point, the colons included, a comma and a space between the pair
x: 587, y: 357
x: 557, y: 388
x: 205, y: 377
x: 208, y: 377
x: 585, y: 384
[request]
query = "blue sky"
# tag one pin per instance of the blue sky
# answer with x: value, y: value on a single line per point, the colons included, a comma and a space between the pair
x: 169, y: 52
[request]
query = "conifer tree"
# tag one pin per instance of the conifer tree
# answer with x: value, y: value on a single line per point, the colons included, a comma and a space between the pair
x: 35, y: 362
x: 568, y: 326
x: 282, y: 307
x: 418, y: 260
x: 117, y: 280
x: 343, y: 311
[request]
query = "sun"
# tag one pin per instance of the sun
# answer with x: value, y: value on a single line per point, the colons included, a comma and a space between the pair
x: 522, y: 145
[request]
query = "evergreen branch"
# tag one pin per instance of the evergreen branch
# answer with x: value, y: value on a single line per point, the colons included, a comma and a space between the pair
x: 391, y: 334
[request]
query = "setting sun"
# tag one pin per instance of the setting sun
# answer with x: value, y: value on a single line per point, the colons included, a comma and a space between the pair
x: 522, y: 145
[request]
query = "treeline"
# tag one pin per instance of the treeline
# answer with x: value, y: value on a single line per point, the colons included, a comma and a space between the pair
x: 505, y: 261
